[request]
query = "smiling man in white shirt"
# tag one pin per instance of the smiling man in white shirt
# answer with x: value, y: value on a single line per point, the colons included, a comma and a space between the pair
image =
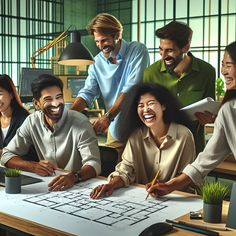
x: 62, y: 139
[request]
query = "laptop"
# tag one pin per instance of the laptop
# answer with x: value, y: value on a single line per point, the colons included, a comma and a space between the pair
x: 25, y: 180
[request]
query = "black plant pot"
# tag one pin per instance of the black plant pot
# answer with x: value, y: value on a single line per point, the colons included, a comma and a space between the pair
x: 13, y: 184
x: 212, y: 212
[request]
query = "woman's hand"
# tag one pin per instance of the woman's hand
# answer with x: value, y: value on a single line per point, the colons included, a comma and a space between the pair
x: 103, y: 190
x: 158, y: 189
x: 161, y: 189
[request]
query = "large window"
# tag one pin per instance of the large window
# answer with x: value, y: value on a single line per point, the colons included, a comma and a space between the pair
x: 213, y: 23
x: 26, y: 26
x: 122, y: 9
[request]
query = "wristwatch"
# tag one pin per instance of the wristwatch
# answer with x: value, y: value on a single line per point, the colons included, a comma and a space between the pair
x: 77, y: 176
x: 109, y: 116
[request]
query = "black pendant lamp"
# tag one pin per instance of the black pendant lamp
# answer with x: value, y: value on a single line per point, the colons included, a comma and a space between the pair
x: 75, y: 54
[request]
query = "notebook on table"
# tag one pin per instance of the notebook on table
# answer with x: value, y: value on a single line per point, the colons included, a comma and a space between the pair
x: 25, y: 179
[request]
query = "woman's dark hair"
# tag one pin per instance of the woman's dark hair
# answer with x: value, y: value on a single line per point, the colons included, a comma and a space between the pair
x: 7, y: 84
x: 129, y: 120
x: 42, y: 82
x: 231, y: 49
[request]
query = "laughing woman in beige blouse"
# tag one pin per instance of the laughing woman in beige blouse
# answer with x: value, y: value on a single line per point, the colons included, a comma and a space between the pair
x: 157, y: 139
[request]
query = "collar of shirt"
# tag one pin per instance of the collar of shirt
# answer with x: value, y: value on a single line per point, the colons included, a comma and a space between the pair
x: 170, y: 136
x: 57, y: 125
x: 184, y: 66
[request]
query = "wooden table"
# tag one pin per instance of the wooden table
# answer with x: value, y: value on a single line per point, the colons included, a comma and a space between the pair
x: 33, y: 228
x: 186, y: 218
x: 29, y: 227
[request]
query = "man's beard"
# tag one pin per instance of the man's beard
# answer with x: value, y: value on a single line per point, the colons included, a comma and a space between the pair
x: 54, y: 116
x: 108, y: 53
x: 176, y: 61
x: 111, y: 49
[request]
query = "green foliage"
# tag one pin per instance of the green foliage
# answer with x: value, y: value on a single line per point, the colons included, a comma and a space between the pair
x: 214, y: 192
x: 12, y: 172
x: 220, y: 87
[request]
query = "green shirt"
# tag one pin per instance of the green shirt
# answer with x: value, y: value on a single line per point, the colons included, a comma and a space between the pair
x: 195, y: 84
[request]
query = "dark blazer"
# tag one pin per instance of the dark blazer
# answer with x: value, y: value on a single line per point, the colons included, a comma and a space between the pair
x: 18, y: 117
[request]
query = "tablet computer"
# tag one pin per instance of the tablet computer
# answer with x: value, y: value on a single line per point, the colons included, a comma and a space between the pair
x: 25, y: 180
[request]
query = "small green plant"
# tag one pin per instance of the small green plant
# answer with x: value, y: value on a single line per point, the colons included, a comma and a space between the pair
x: 12, y: 172
x: 214, y: 192
x: 220, y: 87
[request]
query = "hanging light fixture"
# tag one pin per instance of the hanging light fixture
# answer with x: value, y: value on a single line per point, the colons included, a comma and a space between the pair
x: 75, y: 54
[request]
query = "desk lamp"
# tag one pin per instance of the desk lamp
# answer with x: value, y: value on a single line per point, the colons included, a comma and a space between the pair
x: 75, y: 54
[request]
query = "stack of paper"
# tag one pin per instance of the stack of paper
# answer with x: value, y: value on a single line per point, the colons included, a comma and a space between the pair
x: 206, y: 104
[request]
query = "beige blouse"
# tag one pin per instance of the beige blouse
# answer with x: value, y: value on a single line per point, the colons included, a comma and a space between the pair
x: 142, y: 158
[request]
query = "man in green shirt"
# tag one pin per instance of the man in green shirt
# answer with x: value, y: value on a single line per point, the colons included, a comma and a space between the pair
x: 187, y: 77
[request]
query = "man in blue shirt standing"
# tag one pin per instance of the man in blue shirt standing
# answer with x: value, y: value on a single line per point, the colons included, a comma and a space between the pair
x: 118, y: 67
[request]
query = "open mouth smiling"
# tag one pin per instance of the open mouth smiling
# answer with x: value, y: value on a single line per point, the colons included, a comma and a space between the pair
x: 148, y: 118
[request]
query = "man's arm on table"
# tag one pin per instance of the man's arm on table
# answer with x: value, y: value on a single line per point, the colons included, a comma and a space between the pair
x: 43, y: 167
x: 66, y: 181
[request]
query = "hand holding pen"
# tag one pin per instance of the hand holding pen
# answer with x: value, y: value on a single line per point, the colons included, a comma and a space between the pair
x: 44, y: 167
x: 150, y: 185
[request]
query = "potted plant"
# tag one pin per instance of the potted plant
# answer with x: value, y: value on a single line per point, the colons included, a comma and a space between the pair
x: 213, y: 194
x: 12, y: 180
x: 220, y: 89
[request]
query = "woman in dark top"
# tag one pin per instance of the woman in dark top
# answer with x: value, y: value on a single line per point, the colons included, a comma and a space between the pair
x: 12, y: 113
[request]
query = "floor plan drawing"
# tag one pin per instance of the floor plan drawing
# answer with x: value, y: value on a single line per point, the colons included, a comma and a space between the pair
x: 125, y: 212
x: 119, y: 213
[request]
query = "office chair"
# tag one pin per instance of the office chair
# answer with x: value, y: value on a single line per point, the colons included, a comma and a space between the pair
x: 109, y: 158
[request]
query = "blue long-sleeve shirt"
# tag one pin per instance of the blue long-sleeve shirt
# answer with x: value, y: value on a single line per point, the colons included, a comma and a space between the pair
x: 110, y: 80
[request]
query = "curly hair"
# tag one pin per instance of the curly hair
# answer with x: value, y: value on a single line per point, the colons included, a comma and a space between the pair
x: 128, y: 118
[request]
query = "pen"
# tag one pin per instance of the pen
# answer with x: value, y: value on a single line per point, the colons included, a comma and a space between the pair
x: 205, y: 226
x: 198, y: 127
x: 192, y: 228
x: 153, y: 182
